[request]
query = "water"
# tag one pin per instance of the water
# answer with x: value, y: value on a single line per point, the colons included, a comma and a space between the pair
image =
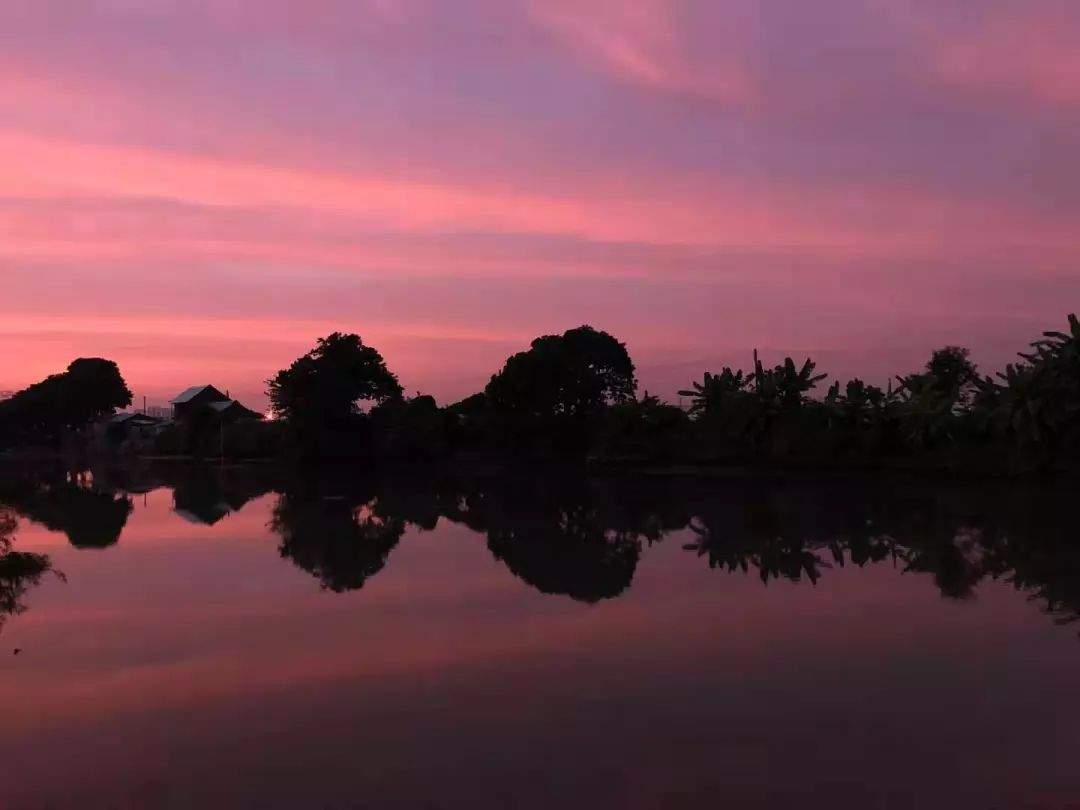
x: 254, y: 638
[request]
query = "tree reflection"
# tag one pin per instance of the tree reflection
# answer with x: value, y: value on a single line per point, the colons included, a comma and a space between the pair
x: 19, y: 570
x: 207, y: 495
x: 959, y: 536
x: 342, y: 539
x: 564, y: 534
x: 70, y: 503
x: 579, y: 535
x: 571, y: 555
x: 584, y: 536
x: 754, y: 533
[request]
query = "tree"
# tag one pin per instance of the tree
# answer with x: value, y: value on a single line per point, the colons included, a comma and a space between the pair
x: 1037, y: 403
x: 89, y: 389
x: 410, y: 428
x: 576, y: 374
x: 932, y: 400
x: 784, y: 387
x: 324, y: 388
x: 715, y: 390
x: 645, y: 428
x: 93, y: 387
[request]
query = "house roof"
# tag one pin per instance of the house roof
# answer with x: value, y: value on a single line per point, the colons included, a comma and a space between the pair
x: 229, y: 404
x: 189, y: 394
x: 127, y: 416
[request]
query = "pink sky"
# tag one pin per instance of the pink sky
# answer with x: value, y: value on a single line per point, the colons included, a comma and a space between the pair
x: 199, y: 189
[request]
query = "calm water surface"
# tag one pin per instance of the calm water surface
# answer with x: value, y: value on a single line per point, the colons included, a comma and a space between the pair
x: 242, y: 637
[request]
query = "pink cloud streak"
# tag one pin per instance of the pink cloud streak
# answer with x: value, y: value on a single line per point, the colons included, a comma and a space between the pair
x: 697, y: 177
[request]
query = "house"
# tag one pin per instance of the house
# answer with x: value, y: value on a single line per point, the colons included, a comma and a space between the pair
x: 133, y: 419
x: 200, y: 398
x: 192, y: 399
x: 127, y: 424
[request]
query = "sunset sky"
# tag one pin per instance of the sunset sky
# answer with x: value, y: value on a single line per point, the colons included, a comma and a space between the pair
x: 200, y: 188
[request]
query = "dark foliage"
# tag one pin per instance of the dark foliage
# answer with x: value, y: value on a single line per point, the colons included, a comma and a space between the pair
x: 90, y: 516
x: 89, y: 389
x: 575, y: 374
x: 319, y: 396
x: 549, y: 399
x: 19, y: 570
x: 342, y: 540
x: 563, y: 532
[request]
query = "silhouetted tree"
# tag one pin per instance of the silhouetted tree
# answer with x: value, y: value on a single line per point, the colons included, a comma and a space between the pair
x: 1037, y: 402
x: 644, y: 428
x: 784, y: 387
x: 715, y: 391
x: 413, y: 428
x: 577, y: 373
x: 932, y: 401
x: 89, y: 389
x: 321, y: 393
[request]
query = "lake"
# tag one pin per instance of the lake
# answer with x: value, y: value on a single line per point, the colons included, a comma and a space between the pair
x: 253, y: 637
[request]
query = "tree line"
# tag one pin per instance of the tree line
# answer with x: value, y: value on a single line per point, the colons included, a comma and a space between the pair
x: 576, y: 395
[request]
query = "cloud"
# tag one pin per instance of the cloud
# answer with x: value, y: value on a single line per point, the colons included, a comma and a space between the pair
x: 1029, y: 51
x: 697, y: 177
x: 642, y: 43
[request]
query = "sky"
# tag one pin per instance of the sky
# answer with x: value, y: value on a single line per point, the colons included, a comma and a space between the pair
x: 198, y: 189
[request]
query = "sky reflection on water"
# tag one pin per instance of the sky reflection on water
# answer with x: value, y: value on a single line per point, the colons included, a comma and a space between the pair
x: 249, y: 638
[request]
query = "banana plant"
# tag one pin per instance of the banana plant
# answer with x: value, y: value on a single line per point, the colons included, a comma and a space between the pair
x: 784, y: 387
x: 710, y: 394
x: 1038, y: 400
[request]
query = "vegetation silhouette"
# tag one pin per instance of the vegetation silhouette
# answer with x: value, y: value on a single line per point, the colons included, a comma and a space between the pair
x: 958, y: 536
x: 207, y: 495
x: 45, y: 412
x: 319, y: 397
x: 574, y: 395
x: 551, y: 396
x: 19, y: 570
x: 69, y: 502
x: 560, y: 534
x: 343, y: 537
x: 566, y: 531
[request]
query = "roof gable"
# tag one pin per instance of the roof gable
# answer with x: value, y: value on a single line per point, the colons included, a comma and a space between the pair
x: 233, y: 405
x: 189, y: 394
x: 133, y: 416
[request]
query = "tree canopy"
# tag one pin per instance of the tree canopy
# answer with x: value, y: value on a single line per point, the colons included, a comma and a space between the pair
x: 327, y: 385
x: 577, y: 373
x: 90, y: 388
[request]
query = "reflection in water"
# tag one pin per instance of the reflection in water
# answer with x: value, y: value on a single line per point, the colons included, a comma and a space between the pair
x: 219, y: 678
x: 342, y: 538
x: 207, y: 495
x: 571, y: 557
x: 584, y: 537
x: 560, y: 537
x: 19, y: 570
x: 957, y: 535
x: 90, y: 516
